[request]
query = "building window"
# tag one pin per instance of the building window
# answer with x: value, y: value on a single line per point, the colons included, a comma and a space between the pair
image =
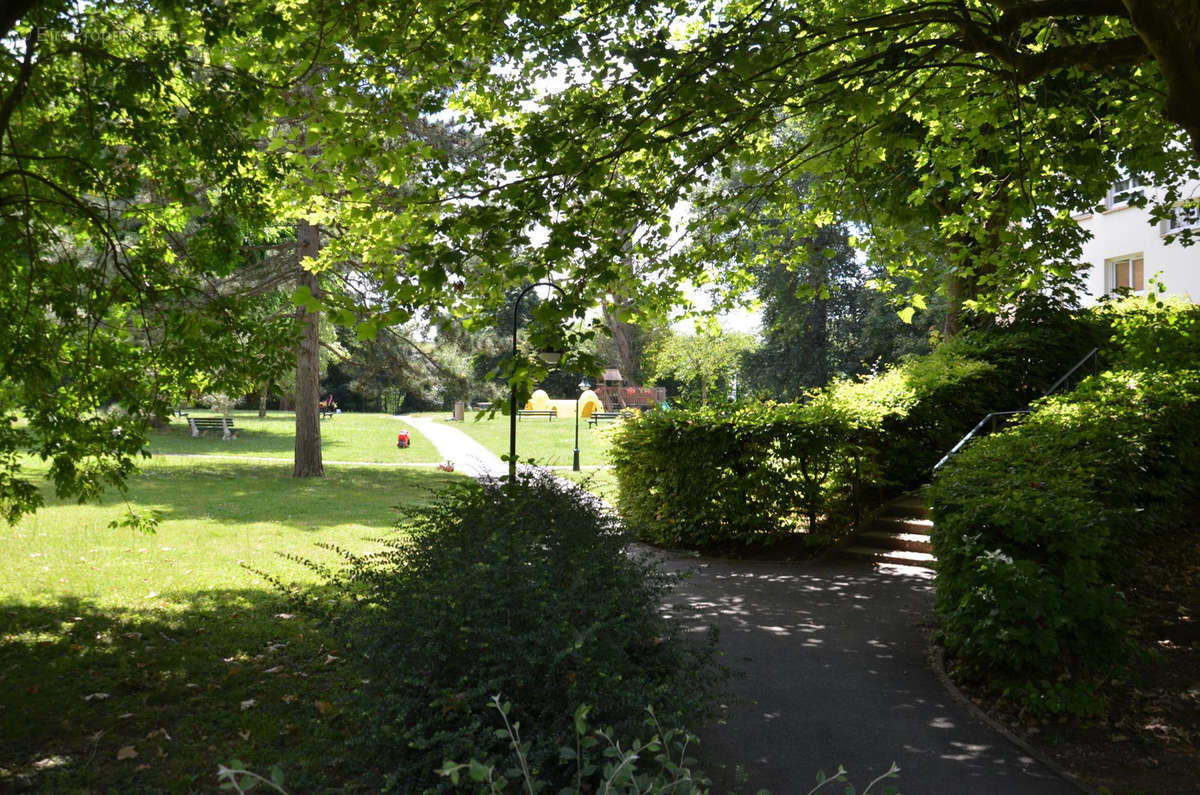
x: 1187, y: 217
x: 1123, y: 190
x: 1127, y: 273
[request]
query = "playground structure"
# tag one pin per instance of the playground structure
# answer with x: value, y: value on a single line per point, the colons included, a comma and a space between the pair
x: 616, y: 395
x: 608, y: 397
x: 588, y: 402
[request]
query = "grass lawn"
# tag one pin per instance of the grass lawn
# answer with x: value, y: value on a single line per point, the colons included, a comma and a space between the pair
x: 137, y: 663
x: 368, y: 438
x: 549, y: 442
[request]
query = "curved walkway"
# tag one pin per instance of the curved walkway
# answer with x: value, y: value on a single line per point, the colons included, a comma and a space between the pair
x: 830, y: 666
x: 467, y: 455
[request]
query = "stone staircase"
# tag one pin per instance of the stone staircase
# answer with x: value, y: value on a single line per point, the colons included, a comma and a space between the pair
x: 898, y: 533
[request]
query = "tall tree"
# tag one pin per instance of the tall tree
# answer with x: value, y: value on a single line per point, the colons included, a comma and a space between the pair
x: 125, y: 199
x: 702, y: 363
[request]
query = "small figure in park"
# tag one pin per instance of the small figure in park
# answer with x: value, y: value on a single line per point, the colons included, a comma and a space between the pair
x: 402, y: 440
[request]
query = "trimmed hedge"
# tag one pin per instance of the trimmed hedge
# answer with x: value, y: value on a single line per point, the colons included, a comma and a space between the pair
x: 1037, y: 528
x: 749, y: 474
x: 713, y: 476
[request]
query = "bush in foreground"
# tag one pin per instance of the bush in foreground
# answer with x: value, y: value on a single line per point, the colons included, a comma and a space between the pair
x: 524, y: 589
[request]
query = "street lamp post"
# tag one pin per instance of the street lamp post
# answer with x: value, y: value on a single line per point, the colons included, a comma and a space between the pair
x: 583, y: 387
x: 512, y: 390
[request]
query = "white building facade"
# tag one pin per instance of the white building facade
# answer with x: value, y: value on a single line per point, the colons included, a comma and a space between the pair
x: 1129, y: 250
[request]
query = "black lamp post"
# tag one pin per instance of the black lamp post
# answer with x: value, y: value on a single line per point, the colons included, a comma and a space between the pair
x: 583, y: 387
x: 550, y: 357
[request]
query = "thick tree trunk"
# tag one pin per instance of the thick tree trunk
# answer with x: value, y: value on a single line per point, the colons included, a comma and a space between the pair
x: 957, y: 290
x: 263, y: 394
x: 622, y: 337
x: 307, y: 462
x: 1170, y: 30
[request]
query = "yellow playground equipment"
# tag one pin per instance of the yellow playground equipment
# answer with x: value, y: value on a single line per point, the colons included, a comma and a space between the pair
x: 588, y: 402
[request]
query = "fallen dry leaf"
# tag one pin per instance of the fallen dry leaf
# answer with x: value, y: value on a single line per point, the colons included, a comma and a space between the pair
x: 248, y: 703
x: 289, y: 698
x: 274, y: 670
x: 245, y: 735
x: 96, y: 697
x: 285, y: 616
x: 324, y: 707
x: 127, y: 752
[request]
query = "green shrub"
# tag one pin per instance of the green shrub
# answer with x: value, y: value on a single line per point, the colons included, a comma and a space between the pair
x: 742, y: 475
x: 1037, y: 528
x: 909, y: 415
x: 523, y: 589
x: 1139, y: 334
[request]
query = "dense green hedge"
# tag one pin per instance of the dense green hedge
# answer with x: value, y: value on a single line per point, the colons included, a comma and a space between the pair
x: 748, y: 474
x: 1037, y: 529
x: 708, y: 477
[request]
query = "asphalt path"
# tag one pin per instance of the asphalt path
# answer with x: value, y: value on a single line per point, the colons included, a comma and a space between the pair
x: 831, y: 666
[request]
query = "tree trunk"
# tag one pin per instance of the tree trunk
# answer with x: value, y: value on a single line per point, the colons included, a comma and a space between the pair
x: 956, y: 292
x: 263, y: 394
x: 307, y: 462
x: 622, y: 337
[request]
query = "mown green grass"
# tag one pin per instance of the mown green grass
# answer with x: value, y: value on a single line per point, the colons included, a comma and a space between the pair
x: 137, y: 663
x: 368, y: 438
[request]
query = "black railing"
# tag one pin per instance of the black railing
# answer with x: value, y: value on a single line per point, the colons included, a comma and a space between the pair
x: 998, y: 419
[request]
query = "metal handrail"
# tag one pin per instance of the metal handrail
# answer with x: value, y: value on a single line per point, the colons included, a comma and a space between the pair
x: 996, y: 414
x: 963, y: 441
x: 1095, y: 370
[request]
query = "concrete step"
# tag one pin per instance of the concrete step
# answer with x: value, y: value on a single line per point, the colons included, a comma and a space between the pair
x: 883, y: 539
x: 908, y: 505
x: 897, y: 556
x: 901, y: 524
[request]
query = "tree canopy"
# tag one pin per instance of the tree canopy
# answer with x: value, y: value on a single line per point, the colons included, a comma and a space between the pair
x: 444, y: 151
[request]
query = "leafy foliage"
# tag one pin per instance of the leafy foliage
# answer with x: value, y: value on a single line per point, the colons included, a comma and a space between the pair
x: 701, y: 363
x: 518, y: 588
x: 750, y: 473
x: 1037, y: 528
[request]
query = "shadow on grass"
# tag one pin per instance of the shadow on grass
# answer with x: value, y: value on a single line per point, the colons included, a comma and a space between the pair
x: 152, y: 700
x: 234, y: 493
x: 270, y: 436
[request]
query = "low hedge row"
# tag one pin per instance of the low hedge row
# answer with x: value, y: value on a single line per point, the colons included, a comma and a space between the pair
x: 748, y: 474
x: 1037, y: 529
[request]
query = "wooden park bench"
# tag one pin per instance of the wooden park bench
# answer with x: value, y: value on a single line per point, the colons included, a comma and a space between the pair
x: 201, y: 424
x: 551, y: 413
x: 596, y: 416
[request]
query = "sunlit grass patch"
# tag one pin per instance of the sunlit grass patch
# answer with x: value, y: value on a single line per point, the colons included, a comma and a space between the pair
x: 136, y: 663
x: 347, y: 437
